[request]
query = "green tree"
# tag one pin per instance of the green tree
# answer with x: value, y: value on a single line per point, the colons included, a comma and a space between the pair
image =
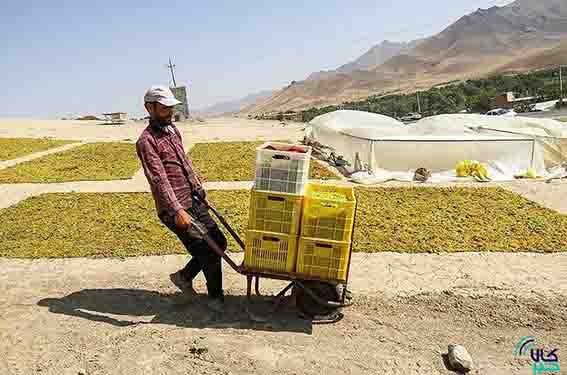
x: 472, y: 95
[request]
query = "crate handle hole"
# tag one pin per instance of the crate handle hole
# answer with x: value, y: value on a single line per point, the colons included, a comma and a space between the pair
x: 272, y: 239
x: 277, y: 199
x: 324, y: 245
x: 329, y: 205
x: 281, y: 157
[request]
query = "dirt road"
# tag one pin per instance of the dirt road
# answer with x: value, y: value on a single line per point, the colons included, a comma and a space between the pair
x: 112, y: 316
x: 218, y: 129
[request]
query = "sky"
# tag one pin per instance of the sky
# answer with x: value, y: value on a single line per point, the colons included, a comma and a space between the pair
x: 61, y: 58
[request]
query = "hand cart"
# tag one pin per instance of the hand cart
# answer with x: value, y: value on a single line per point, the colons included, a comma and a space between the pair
x: 319, y: 300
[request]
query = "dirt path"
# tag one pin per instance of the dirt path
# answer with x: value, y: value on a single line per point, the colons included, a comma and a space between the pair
x: 221, y: 129
x: 214, y: 130
x: 36, y: 155
x: 111, y: 316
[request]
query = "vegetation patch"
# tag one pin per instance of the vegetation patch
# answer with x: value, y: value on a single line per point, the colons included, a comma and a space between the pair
x: 13, y: 148
x: 455, y: 219
x: 89, y: 162
x: 235, y: 161
x: 84, y: 224
x: 418, y: 220
x: 100, y: 225
x: 473, y: 96
x: 413, y: 220
x: 319, y: 172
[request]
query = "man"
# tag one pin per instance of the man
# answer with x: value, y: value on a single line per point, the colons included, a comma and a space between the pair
x: 175, y: 184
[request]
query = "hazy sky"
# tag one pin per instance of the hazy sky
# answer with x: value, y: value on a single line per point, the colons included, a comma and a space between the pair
x: 86, y: 57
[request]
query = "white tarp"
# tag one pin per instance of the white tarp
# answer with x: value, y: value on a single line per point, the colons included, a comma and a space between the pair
x: 550, y: 135
x: 390, y: 148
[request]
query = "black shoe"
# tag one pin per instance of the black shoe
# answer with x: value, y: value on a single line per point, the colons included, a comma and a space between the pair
x: 182, y: 283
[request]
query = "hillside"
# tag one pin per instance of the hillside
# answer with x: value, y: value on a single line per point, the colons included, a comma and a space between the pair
x: 520, y: 36
x: 378, y: 55
x: 233, y: 106
x: 374, y: 57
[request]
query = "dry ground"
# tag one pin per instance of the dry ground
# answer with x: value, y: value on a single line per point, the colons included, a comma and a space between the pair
x: 112, y: 316
x: 124, y: 317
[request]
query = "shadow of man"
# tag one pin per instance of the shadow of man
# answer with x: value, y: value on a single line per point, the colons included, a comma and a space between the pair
x: 103, y: 305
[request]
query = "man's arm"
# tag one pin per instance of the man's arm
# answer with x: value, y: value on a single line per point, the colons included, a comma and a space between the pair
x: 157, y: 177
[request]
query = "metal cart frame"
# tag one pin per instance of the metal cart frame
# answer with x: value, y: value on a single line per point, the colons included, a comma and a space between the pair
x: 295, y: 280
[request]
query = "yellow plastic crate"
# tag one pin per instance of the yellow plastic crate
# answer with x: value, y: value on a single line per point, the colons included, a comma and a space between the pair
x: 330, y: 219
x: 325, y: 259
x: 267, y: 251
x: 275, y: 212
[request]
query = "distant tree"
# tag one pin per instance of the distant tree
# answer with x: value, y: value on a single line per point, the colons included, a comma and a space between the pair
x: 472, y: 95
x: 484, y: 103
x: 470, y: 90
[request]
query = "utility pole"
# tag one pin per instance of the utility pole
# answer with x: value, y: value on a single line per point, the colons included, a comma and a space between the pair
x: 171, y: 66
x: 418, y: 104
x: 560, y: 84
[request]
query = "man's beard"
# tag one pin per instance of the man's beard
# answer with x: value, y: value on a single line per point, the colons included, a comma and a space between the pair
x: 161, y: 122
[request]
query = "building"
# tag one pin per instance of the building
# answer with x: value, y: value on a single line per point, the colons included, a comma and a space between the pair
x: 509, y: 100
x: 181, y: 111
x: 116, y: 117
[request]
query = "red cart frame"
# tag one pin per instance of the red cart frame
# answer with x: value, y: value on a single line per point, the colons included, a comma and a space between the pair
x: 295, y: 280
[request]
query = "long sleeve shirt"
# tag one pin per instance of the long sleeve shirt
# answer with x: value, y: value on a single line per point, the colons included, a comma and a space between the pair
x: 169, y: 170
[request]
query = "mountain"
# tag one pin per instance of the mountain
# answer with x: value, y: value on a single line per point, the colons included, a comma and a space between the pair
x: 374, y: 57
x: 233, y: 106
x: 377, y: 55
x: 523, y: 35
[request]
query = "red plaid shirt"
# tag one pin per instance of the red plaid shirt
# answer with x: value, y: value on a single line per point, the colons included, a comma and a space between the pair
x: 169, y: 171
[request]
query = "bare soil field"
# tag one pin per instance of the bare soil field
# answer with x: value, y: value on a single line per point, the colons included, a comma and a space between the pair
x: 96, y: 316
x: 103, y: 316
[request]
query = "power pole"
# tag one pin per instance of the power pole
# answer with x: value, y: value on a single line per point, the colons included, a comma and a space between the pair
x: 171, y: 66
x: 418, y: 103
x: 560, y: 84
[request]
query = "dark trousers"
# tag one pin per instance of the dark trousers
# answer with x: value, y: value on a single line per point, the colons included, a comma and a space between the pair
x: 203, y: 258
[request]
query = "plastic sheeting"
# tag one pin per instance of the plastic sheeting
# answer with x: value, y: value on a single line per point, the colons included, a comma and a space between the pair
x: 391, y: 149
x: 550, y: 135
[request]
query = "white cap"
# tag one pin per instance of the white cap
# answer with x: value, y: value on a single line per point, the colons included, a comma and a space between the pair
x: 162, y: 95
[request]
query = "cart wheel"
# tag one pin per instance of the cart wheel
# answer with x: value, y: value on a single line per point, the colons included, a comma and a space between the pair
x: 308, y: 306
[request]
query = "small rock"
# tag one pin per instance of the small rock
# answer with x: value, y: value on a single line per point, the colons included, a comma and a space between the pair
x: 459, y: 358
x: 82, y: 372
x: 422, y: 175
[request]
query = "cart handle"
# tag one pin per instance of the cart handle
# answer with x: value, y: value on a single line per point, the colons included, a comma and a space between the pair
x: 222, y: 220
x: 215, y: 247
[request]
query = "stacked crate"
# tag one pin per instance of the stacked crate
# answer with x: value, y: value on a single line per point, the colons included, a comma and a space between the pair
x: 326, y: 232
x: 282, y: 172
x: 282, y: 167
